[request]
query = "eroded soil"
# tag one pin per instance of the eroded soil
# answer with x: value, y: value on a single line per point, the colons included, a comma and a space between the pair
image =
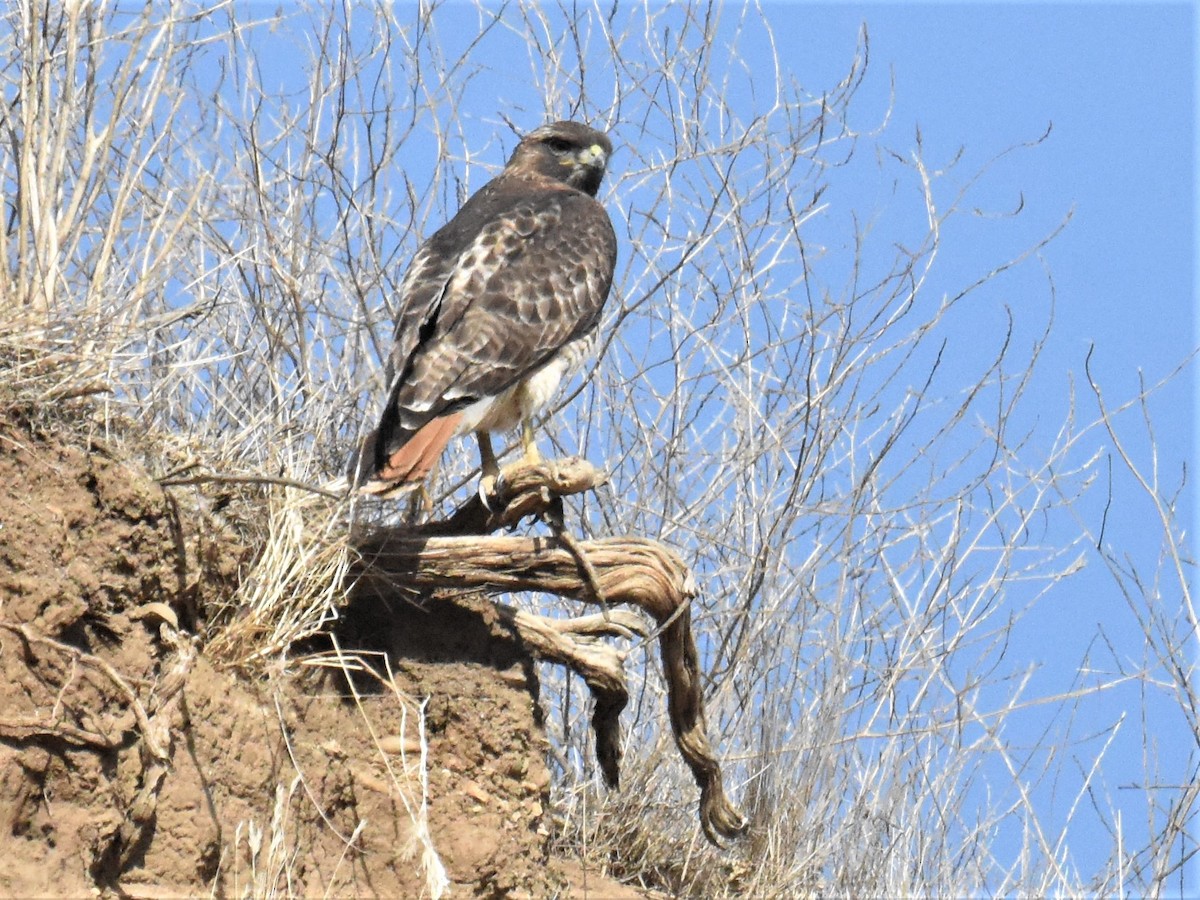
x: 292, y: 781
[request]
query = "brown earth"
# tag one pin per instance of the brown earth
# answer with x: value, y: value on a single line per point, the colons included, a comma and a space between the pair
x: 280, y: 783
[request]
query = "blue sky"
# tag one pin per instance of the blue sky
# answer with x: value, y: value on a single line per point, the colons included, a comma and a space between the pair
x: 1118, y: 84
x: 1114, y: 81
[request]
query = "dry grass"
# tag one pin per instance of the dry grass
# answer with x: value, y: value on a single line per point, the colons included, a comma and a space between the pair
x: 294, y: 587
x: 207, y: 264
x: 409, y: 780
x: 264, y: 858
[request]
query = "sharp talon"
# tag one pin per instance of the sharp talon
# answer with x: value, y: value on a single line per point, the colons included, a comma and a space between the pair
x: 487, y: 488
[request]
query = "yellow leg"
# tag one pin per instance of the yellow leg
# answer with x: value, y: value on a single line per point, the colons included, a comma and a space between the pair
x: 490, y: 469
x: 527, y: 443
x: 487, y: 456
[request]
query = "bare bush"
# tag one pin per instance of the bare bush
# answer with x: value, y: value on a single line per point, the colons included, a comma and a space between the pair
x: 846, y: 448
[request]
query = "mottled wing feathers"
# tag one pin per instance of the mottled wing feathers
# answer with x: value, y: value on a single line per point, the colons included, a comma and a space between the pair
x: 497, y: 305
x: 522, y: 270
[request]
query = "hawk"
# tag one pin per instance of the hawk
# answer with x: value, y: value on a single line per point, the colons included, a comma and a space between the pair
x: 497, y: 308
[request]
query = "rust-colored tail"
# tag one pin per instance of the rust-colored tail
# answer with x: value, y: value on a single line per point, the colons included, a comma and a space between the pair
x: 406, y: 467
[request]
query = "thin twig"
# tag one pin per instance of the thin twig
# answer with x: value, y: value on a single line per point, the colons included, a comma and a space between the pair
x: 224, y: 478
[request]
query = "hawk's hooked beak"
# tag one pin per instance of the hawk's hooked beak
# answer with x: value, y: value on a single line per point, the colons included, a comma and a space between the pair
x: 593, y: 156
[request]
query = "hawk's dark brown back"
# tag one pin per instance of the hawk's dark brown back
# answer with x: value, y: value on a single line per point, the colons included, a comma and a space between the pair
x: 522, y: 271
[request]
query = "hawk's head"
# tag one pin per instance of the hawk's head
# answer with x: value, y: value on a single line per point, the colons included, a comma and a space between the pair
x: 564, y: 151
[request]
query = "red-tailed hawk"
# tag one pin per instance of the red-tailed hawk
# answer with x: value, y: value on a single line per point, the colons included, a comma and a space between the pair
x: 496, y: 309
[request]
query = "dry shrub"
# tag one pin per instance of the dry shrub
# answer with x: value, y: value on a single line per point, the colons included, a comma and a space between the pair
x: 789, y: 395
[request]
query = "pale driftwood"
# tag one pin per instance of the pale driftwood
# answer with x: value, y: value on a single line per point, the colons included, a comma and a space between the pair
x: 458, y: 554
x: 598, y: 664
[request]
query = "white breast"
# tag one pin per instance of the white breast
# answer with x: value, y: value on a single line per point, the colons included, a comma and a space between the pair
x: 528, y: 396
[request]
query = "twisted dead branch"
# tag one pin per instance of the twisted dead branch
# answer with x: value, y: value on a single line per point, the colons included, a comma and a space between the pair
x: 574, y: 643
x: 459, y: 554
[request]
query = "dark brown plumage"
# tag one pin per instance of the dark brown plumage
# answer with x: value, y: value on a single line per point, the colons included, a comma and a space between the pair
x: 497, y: 307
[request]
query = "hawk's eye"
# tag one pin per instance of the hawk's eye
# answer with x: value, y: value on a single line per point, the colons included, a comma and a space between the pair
x: 557, y: 145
